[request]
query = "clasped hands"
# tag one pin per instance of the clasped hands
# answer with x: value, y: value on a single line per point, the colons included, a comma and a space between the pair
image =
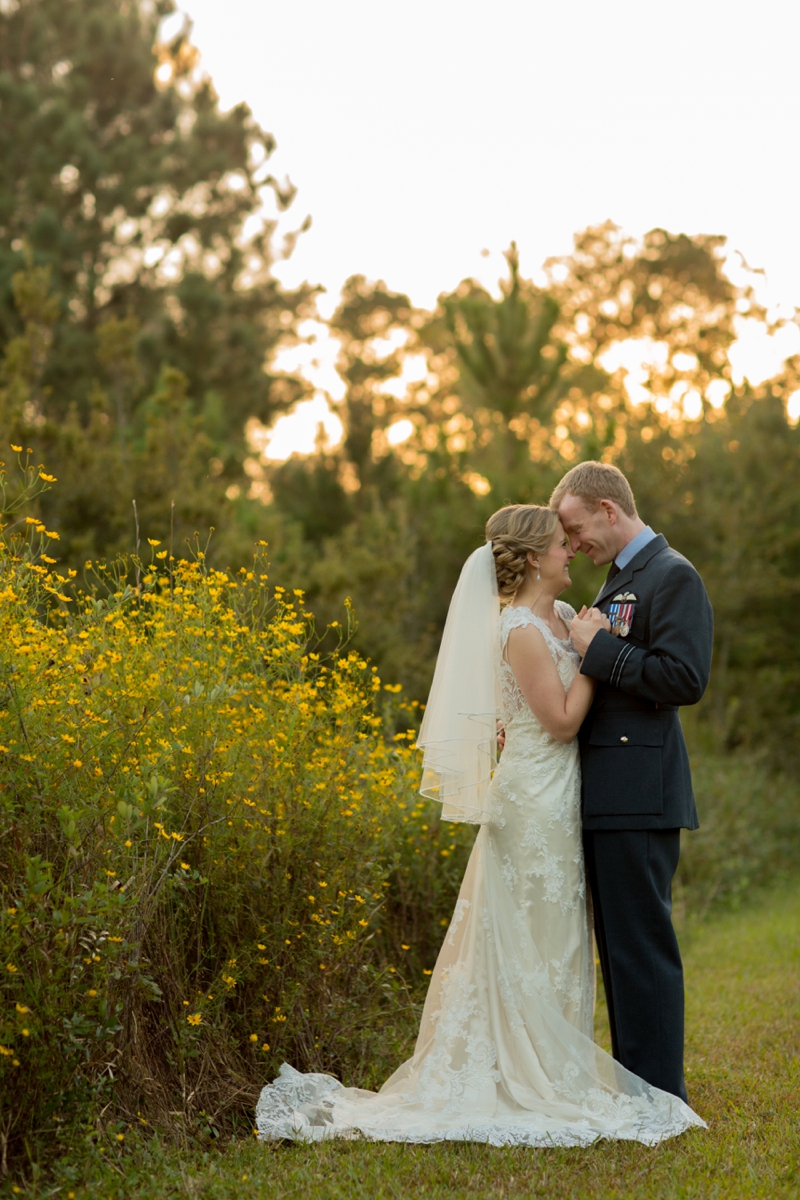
x: 585, y: 625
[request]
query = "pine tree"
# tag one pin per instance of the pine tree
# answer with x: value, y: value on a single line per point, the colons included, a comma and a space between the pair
x: 119, y: 171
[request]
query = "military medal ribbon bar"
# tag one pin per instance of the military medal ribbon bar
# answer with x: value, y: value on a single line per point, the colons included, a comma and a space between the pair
x: 620, y: 613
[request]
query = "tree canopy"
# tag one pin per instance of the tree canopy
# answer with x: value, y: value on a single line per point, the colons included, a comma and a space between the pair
x: 119, y: 171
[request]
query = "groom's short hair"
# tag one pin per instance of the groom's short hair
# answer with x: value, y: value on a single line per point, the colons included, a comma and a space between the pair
x: 593, y: 482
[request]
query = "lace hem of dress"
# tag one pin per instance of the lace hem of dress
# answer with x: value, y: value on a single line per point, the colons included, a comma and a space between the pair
x: 316, y: 1107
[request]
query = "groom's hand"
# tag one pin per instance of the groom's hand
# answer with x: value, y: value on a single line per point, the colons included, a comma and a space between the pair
x: 584, y: 627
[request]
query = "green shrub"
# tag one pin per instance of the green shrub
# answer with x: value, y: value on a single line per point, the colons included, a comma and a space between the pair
x: 749, y: 834
x: 201, y: 818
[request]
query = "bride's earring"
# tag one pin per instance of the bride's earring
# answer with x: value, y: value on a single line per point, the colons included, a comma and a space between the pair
x: 538, y: 574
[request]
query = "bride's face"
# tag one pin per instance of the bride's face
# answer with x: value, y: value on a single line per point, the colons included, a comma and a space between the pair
x: 554, y: 565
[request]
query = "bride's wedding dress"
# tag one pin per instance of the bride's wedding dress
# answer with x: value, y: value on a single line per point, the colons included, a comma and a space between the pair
x: 505, y: 1052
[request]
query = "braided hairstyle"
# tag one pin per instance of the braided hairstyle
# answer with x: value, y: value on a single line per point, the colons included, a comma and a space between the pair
x: 514, y: 531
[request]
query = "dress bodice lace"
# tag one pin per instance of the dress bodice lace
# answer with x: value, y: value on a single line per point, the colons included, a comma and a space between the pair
x: 565, y: 657
x: 526, y: 739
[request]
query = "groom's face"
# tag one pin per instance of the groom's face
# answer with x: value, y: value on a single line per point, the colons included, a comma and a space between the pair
x: 593, y: 532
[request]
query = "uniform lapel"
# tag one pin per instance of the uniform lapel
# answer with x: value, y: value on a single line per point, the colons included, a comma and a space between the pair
x: 625, y: 576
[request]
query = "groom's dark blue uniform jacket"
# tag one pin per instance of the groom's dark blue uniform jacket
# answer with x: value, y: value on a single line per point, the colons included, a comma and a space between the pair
x: 637, y: 794
x: 633, y: 755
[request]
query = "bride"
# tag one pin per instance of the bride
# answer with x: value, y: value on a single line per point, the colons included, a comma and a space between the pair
x: 505, y: 1052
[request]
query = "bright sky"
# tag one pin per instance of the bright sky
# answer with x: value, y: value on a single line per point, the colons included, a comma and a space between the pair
x: 421, y: 133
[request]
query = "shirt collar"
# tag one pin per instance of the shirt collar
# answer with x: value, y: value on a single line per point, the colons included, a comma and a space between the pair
x: 634, y: 546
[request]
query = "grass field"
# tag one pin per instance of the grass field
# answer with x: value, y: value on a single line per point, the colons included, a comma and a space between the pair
x: 743, y: 1070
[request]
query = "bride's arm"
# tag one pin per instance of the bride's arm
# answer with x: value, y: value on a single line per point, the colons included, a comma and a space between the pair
x: 560, y: 713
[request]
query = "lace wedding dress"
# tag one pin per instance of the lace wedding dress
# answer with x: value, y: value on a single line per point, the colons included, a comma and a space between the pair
x: 505, y: 1052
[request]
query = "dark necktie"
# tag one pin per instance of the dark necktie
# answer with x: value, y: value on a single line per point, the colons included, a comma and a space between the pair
x: 613, y: 571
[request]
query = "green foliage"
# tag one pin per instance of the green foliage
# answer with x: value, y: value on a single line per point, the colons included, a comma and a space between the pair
x: 724, y: 863
x: 668, y: 287
x: 163, y: 466
x: 205, y: 819
x: 510, y: 357
x: 367, y: 321
x: 217, y: 860
x: 741, y: 975
x: 125, y: 186
x: 724, y: 491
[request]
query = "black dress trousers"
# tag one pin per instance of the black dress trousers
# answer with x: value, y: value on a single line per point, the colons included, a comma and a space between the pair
x: 630, y: 874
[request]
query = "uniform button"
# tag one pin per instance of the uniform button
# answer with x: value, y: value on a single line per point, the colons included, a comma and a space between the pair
x: 623, y: 739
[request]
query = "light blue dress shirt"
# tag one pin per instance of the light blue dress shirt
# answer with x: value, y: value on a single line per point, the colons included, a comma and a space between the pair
x: 634, y: 546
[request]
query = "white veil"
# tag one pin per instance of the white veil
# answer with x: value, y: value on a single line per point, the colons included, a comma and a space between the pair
x: 459, y: 728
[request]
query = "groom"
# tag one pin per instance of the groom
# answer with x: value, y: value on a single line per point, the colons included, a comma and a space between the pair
x: 637, y: 787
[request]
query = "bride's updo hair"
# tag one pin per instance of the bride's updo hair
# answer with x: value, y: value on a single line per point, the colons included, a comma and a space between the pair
x: 514, y: 531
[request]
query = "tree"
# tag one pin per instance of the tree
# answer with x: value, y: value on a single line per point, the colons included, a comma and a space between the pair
x: 495, y: 423
x: 510, y: 361
x: 375, y: 328
x: 373, y: 325
x: 120, y: 173
x: 725, y: 492
x: 668, y: 293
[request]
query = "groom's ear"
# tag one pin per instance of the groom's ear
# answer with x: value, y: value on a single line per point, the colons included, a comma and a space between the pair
x: 610, y: 510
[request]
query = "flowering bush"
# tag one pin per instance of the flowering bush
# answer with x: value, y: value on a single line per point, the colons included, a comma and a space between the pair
x: 213, y: 854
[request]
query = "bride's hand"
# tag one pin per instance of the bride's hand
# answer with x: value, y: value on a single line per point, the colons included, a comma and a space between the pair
x: 585, y: 626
